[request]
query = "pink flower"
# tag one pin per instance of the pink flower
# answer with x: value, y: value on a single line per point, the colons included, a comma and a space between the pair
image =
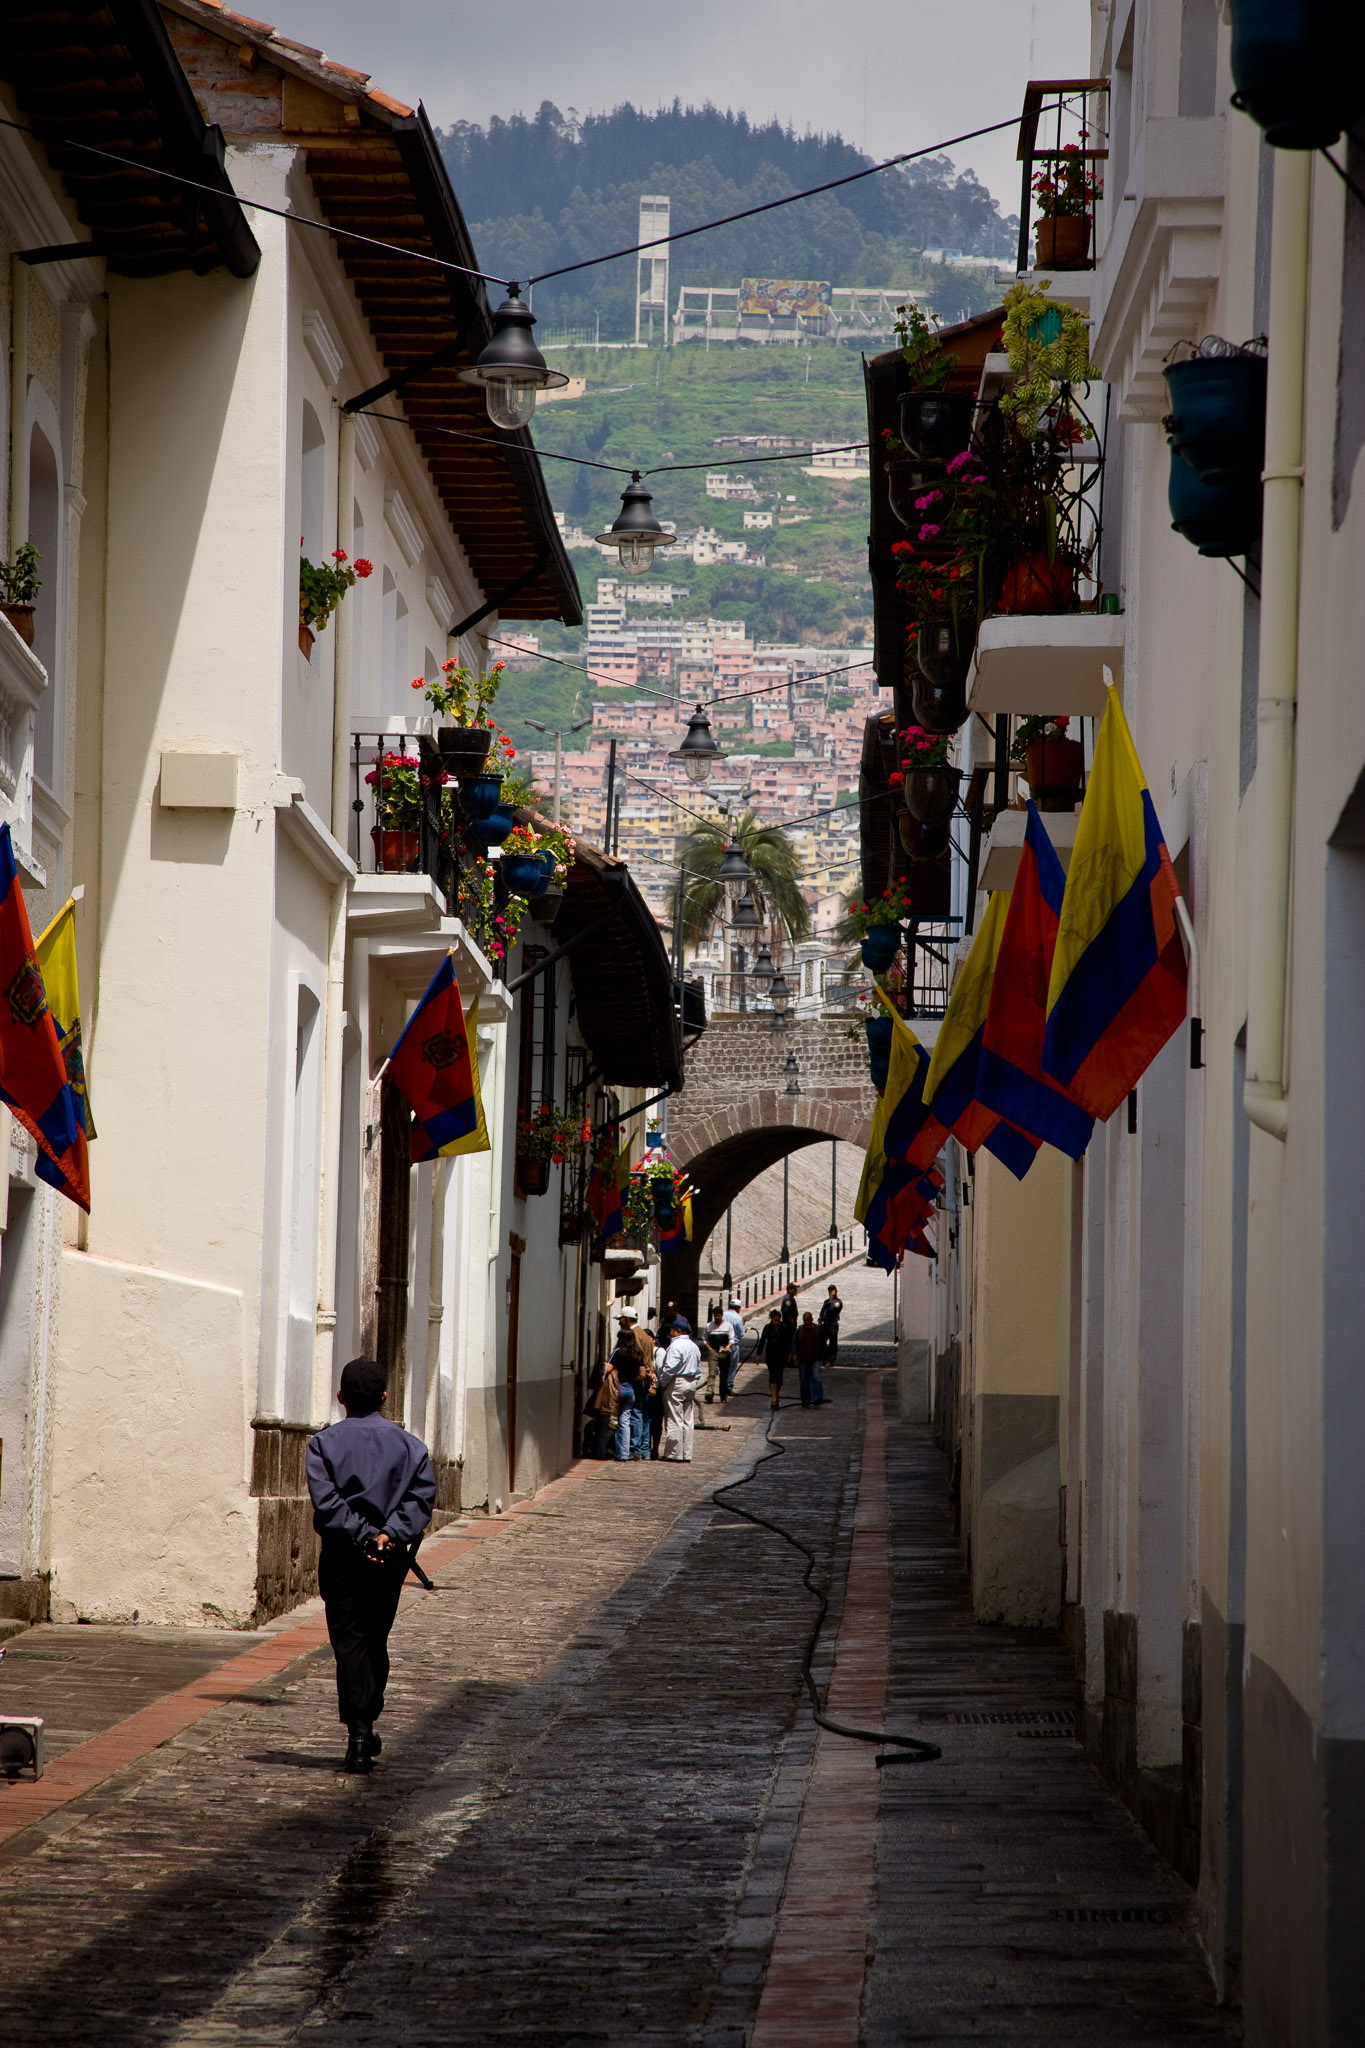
x: 928, y: 532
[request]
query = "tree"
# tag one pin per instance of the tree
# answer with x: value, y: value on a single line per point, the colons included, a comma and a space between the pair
x: 776, y: 888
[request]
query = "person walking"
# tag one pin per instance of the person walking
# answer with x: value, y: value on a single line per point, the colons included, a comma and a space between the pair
x: 736, y: 1321
x: 808, y: 1361
x: 679, y: 1380
x: 373, y: 1492
x: 644, y: 1385
x: 773, y: 1344
x: 831, y: 1308
x: 607, y: 1402
x: 790, y: 1311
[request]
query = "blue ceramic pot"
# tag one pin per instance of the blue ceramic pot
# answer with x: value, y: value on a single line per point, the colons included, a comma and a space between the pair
x: 880, y: 948
x: 1218, y: 519
x: 1218, y: 416
x: 524, y: 873
x: 491, y: 830
x: 1299, y: 69
x: 480, y: 795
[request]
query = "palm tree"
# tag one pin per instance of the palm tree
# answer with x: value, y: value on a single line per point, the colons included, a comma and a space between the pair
x: 776, y: 887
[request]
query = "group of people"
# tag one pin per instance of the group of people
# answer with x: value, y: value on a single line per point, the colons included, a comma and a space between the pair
x: 643, y: 1404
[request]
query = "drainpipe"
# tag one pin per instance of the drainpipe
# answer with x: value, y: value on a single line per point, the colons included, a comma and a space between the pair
x: 334, y: 1014
x: 1263, y: 1095
x: 18, y: 403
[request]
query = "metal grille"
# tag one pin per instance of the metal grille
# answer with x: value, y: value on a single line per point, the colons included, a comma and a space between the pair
x: 1050, y: 1717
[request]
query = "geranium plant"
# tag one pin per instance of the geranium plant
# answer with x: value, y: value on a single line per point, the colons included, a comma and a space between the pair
x: 893, y: 906
x: 493, y: 927
x: 552, y: 1134
x: 921, y: 749
x: 1067, y: 189
x: 322, y: 585
x: 1036, y: 728
x: 398, y: 784
x: 526, y: 840
x: 456, y: 694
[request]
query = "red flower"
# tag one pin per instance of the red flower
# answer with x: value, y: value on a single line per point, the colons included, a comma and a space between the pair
x: 418, y: 683
x: 338, y: 554
x: 362, y: 567
x: 895, y: 777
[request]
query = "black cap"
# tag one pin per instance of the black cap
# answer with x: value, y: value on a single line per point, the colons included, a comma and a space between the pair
x: 363, y: 1385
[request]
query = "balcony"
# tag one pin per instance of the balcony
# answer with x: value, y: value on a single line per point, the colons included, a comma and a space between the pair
x: 1051, y: 665
x: 23, y: 680
x: 1063, y: 142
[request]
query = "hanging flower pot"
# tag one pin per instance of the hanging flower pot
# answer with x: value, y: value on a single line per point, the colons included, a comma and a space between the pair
x: 480, y: 796
x: 930, y: 794
x: 397, y: 849
x: 524, y: 873
x: 1217, y: 416
x: 492, y: 829
x: 1062, y: 241
x: 1034, y: 587
x: 464, y: 748
x: 923, y: 841
x: 1056, y: 769
x: 665, y: 1197
x: 936, y: 425
x: 880, y: 947
x: 1299, y: 69
x: 879, y: 1032
x: 533, y: 1175
x: 20, y: 617
x: 306, y: 638
x: 944, y: 645
x: 544, y: 908
x: 908, y: 477
x: 1217, y: 519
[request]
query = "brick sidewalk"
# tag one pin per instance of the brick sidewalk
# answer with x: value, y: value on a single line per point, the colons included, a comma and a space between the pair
x: 603, y: 1813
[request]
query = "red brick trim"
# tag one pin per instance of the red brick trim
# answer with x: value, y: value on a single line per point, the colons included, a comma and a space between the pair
x: 813, y: 1992
x: 68, y: 1777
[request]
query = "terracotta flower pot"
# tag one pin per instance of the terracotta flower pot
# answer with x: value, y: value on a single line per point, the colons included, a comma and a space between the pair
x: 1033, y: 586
x: 1062, y: 241
x: 306, y: 638
x: 1056, y: 768
x: 397, y: 849
x: 931, y: 793
x: 20, y: 617
x: 921, y: 840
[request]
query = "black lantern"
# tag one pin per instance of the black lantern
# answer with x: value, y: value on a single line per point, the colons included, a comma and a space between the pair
x: 780, y: 995
x: 510, y: 367
x: 746, y: 917
x: 791, y: 1070
x: 635, y: 532
x: 698, y: 752
x: 734, y: 870
x: 763, y: 965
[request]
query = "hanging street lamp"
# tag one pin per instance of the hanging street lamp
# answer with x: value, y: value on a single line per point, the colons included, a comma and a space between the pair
x: 792, y: 1071
x: 746, y: 917
x: 698, y: 751
x: 780, y: 995
x: 510, y: 367
x: 635, y: 533
x: 734, y: 871
x: 763, y: 966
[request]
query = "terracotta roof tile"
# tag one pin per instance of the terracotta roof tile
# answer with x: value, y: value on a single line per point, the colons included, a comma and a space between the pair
x: 392, y: 106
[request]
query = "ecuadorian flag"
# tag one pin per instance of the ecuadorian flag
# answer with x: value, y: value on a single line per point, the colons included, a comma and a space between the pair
x: 1118, y: 983
x: 899, y: 1182
x: 33, y: 1077
x: 1009, y: 1079
x: 435, y: 1068
x: 950, y: 1087
x: 607, y: 1184
x: 56, y: 956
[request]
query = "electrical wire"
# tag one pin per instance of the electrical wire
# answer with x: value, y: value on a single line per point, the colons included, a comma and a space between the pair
x: 914, y: 1750
x: 708, y: 703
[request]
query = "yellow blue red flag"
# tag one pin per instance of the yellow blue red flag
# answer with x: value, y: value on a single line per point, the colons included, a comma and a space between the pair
x: 33, y: 1079
x: 435, y: 1068
x: 1117, y: 990
x: 898, y: 1185
x: 56, y: 956
x: 950, y: 1087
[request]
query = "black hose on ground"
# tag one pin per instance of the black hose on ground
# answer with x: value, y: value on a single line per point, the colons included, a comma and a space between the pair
x: 910, y: 1749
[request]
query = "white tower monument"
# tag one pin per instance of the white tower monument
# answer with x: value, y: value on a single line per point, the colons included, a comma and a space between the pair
x: 651, y: 280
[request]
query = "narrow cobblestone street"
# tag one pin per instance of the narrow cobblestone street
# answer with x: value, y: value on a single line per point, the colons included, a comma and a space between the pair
x: 603, y: 1813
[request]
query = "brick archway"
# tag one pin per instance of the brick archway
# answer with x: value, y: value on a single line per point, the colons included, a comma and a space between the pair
x: 734, y: 1119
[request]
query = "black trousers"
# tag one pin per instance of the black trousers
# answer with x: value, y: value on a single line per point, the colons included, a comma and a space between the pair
x: 361, y: 1599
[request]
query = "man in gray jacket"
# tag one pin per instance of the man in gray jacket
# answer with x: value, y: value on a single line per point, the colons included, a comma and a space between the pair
x: 679, y: 1382
x: 373, y: 1491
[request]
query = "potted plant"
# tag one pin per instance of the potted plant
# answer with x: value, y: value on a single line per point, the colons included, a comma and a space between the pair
x: 877, y: 923
x: 466, y: 701
x: 322, y: 585
x: 398, y: 785
x: 1217, y: 415
x: 556, y: 857
x: 492, y: 926
x: 935, y: 424
x: 545, y: 1140
x: 1049, y: 350
x: 522, y: 868
x: 929, y: 790
x: 1299, y: 70
x: 1217, y: 519
x: 1054, y: 764
x: 1065, y: 195
x: 923, y: 839
x: 19, y: 587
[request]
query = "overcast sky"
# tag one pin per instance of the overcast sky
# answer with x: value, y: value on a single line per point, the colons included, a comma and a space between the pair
x: 888, y: 75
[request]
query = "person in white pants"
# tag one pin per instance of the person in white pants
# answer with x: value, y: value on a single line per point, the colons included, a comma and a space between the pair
x: 679, y: 1381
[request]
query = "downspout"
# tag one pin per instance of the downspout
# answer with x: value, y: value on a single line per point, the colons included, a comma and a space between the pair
x: 18, y: 403
x: 334, y: 1015
x: 1263, y: 1094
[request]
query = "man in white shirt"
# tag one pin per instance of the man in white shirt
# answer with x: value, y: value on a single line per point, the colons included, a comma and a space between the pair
x: 679, y: 1380
x: 736, y: 1322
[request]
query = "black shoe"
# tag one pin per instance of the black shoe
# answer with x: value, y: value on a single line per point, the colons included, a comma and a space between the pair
x: 362, y: 1748
x: 373, y: 1742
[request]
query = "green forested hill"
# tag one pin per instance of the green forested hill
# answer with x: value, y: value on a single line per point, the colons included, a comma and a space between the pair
x: 546, y: 191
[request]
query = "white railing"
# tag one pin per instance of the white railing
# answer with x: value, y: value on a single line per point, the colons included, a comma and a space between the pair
x: 757, y: 1290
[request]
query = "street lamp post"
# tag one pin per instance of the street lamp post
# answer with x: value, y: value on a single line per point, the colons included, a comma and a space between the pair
x: 727, y: 1283
x: 538, y: 725
x: 834, y: 1187
x: 786, y: 1162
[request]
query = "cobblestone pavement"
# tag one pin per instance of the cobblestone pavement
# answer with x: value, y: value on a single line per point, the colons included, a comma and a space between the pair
x: 601, y: 1807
